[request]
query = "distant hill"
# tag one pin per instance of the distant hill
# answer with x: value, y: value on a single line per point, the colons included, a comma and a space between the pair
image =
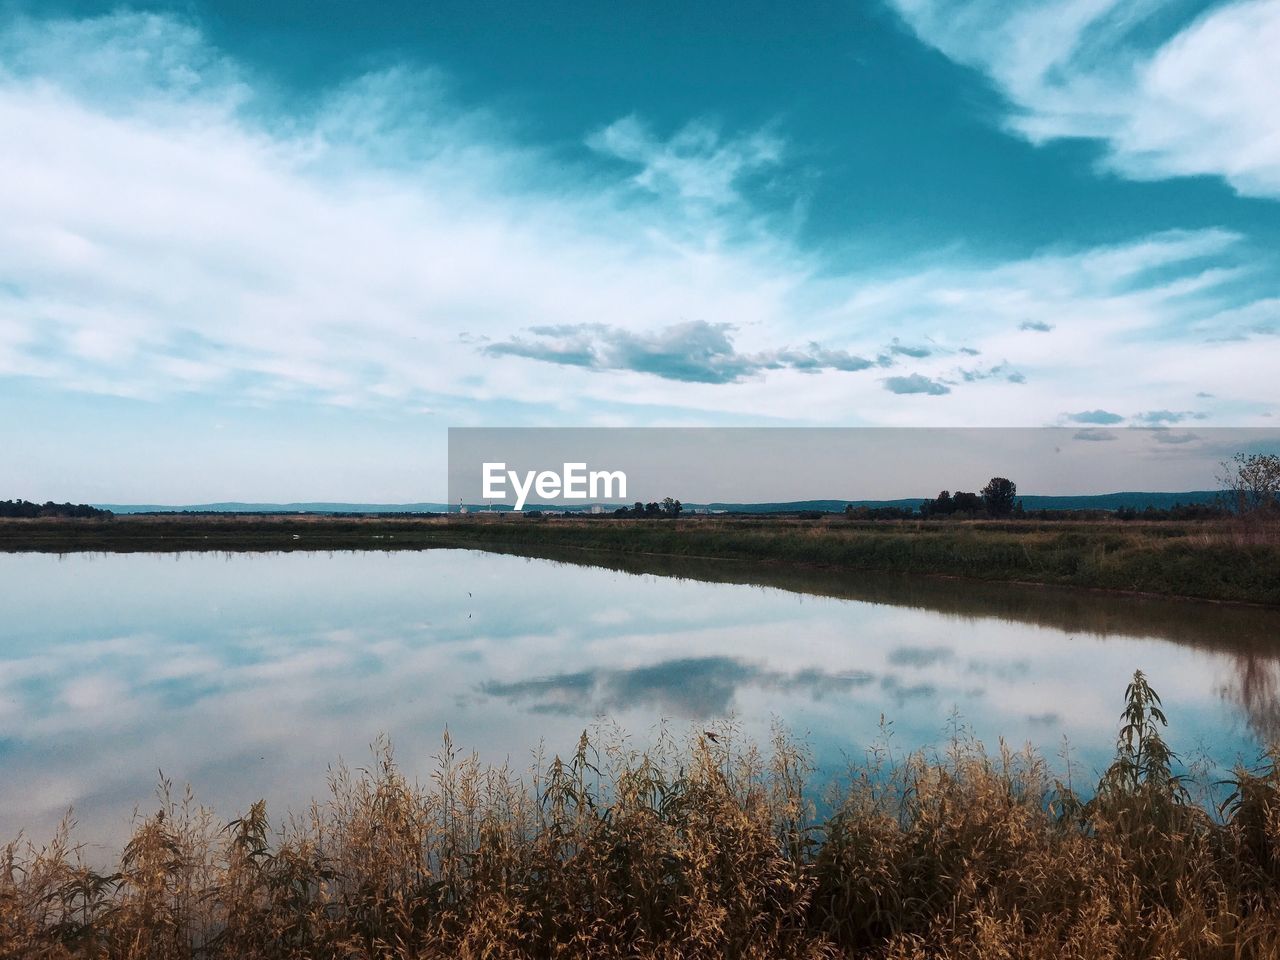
x: 1103, y: 501
x: 1114, y: 501
x: 237, y: 507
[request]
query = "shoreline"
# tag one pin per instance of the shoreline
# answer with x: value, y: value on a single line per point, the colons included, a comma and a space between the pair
x: 1213, y: 561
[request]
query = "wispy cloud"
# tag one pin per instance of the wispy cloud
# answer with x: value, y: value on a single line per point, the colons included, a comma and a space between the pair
x: 1168, y: 416
x: 694, y: 352
x: 907, y: 350
x: 167, y: 229
x: 1168, y: 96
x: 1000, y: 370
x: 1170, y: 437
x: 171, y: 224
x: 916, y: 383
x: 1093, y: 434
x: 697, y: 163
x: 1095, y: 416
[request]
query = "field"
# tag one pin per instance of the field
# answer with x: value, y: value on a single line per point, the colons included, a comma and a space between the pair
x: 1212, y: 560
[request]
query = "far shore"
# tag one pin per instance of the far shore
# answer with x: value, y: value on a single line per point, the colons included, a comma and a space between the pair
x: 1224, y: 561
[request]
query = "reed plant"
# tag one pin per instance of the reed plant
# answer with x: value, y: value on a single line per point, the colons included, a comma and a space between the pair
x: 705, y: 846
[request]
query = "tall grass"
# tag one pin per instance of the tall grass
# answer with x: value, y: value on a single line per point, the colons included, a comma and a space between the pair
x: 1218, y: 560
x: 702, y: 848
x: 1231, y: 560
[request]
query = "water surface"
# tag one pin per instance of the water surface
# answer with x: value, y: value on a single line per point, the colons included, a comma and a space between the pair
x: 247, y: 674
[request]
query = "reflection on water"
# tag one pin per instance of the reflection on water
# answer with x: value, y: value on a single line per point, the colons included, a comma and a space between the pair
x: 696, y: 687
x: 247, y: 674
x: 1234, y: 627
x: 1255, y: 687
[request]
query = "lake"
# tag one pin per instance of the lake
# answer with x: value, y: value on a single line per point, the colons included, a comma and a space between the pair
x: 246, y: 675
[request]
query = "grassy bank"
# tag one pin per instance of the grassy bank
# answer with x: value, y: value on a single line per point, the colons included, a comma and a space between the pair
x: 1209, y: 560
x: 700, y: 849
x: 1216, y: 561
x: 165, y: 533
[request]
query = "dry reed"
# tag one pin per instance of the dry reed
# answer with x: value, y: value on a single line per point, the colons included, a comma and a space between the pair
x: 703, y: 848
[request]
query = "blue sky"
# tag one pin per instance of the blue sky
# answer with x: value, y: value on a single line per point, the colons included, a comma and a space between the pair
x: 272, y: 250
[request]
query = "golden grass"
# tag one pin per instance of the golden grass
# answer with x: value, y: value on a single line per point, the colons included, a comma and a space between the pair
x: 700, y: 849
x: 1227, y: 560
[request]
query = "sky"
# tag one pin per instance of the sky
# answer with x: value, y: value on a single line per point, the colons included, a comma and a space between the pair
x: 273, y: 250
x: 759, y: 465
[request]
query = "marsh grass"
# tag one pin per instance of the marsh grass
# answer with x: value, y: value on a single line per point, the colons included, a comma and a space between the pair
x: 705, y: 846
x: 1227, y: 559
x: 1217, y: 560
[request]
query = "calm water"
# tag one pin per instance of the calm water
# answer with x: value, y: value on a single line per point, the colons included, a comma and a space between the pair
x: 246, y: 675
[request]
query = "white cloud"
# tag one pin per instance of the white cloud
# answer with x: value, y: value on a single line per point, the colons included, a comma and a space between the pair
x: 164, y: 239
x: 168, y: 227
x: 696, y: 163
x: 915, y: 383
x: 1201, y: 101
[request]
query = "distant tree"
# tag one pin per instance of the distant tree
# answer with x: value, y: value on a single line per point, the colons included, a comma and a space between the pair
x: 26, y: 510
x: 863, y: 512
x: 1179, y: 511
x: 1252, y: 483
x: 671, y: 507
x: 963, y: 502
x: 998, y: 496
x: 940, y: 506
x: 892, y: 513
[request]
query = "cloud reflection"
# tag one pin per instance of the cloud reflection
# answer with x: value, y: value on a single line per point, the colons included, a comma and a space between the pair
x: 919, y: 656
x: 691, y: 687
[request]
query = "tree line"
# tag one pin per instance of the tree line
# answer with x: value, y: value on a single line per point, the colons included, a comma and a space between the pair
x: 999, y: 498
x: 25, y: 509
x: 667, y: 507
x: 1250, y: 485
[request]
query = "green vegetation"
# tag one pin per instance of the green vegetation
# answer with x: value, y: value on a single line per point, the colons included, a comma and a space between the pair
x: 1251, y: 483
x: 1228, y: 560
x: 997, y: 500
x: 708, y: 848
x: 667, y: 507
x: 1218, y: 561
x: 27, y: 510
x: 1229, y: 552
